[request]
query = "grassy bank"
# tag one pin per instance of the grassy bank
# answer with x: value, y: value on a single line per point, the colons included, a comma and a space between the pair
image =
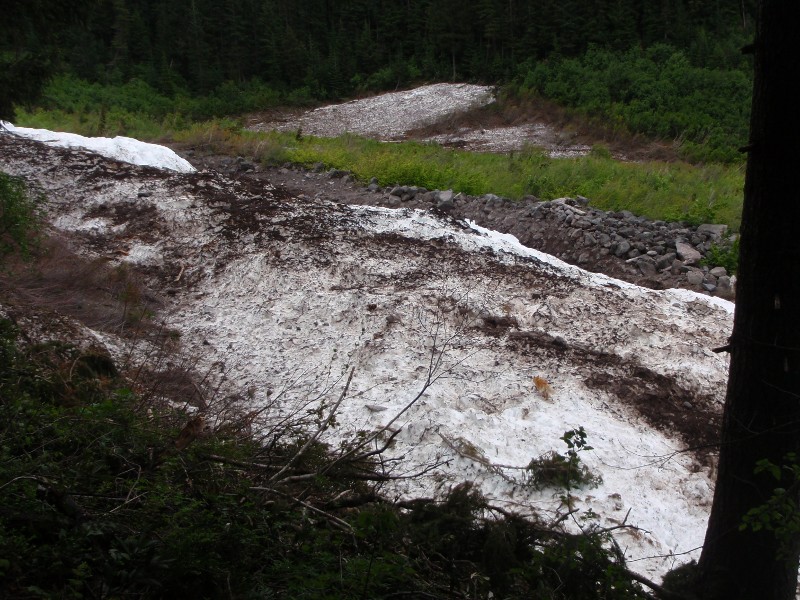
x: 658, y: 190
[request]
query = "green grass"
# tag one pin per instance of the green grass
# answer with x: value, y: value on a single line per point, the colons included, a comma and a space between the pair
x: 657, y: 190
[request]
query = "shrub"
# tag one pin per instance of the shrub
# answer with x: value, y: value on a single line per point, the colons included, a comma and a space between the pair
x: 19, y: 215
x: 656, y: 91
x: 724, y: 255
x: 567, y: 471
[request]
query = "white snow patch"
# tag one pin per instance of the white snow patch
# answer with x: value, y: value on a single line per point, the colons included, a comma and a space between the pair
x: 294, y: 324
x: 120, y: 148
x: 280, y: 325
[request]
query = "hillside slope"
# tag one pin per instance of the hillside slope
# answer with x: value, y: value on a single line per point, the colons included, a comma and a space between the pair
x: 276, y: 298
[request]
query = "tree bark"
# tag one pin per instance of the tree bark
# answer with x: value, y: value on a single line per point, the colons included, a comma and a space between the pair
x: 762, y: 406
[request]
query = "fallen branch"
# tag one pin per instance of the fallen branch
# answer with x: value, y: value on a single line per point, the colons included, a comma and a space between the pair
x: 336, y: 521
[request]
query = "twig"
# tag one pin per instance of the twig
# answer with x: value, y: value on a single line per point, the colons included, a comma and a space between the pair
x: 319, y: 431
x: 339, y: 523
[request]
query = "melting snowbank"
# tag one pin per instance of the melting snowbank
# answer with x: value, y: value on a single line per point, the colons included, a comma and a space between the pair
x: 119, y: 148
x: 283, y: 296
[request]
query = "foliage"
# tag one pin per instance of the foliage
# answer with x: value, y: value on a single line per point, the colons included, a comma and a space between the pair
x: 331, y: 49
x: 19, y: 215
x: 95, y: 503
x: 657, y: 92
x: 724, y: 255
x: 564, y: 471
x: 137, y: 109
x: 780, y: 514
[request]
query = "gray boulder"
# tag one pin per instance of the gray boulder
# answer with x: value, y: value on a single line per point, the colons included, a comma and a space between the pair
x: 687, y: 253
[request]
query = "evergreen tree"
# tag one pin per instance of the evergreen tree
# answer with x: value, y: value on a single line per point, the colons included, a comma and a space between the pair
x: 760, y: 425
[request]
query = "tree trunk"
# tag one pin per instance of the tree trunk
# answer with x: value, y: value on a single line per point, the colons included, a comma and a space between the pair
x: 762, y: 406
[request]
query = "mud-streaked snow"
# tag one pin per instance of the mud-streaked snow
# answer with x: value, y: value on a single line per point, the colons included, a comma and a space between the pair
x: 313, y: 290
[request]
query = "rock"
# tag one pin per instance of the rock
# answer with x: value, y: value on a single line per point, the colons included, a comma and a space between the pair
x: 709, y: 287
x: 695, y: 277
x: 719, y: 271
x: 647, y: 266
x: 446, y: 205
x: 429, y: 197
x: 714, y: 231
x: 687, y: 253
x: 622, y: 248
x: 398, y: 191
x: 665, y: 261
x: 444, y: 196
x: 373, y: 187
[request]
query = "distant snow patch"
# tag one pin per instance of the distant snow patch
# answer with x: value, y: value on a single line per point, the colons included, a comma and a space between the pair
x: 389, y: 116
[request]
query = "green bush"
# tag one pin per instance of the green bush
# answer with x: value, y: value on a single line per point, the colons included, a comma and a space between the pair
x: 656, y: 91
x: 19, y: 215
x: 567, y: 471
x: 724, y: 255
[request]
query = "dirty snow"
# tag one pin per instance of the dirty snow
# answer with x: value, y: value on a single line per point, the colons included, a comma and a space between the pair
x: 284, y: 296
x: 393, y: 116
x: 388, y: 116
x: 512, y: 138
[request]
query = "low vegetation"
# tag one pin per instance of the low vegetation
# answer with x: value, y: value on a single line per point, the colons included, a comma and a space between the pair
x: 657, y: 92
x: 658, y: 190
x: 564, y: 471
x: 19, y: 208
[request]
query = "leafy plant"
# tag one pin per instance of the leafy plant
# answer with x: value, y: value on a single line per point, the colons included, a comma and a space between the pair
x: 723, y: 255
x: 566, y: 470
x: 19, y: 215
x: 780, y: 514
